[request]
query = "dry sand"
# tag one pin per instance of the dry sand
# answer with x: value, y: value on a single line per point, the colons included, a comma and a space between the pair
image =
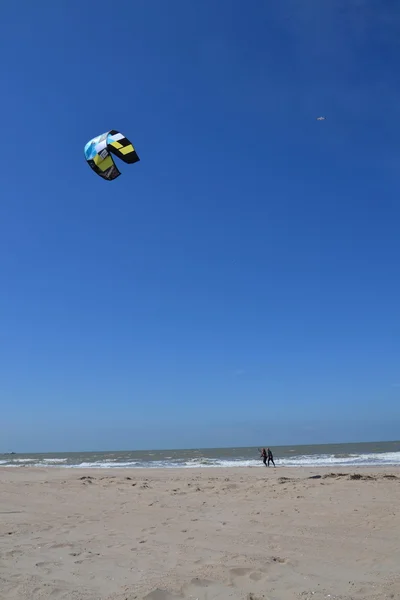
x: 199, y: 534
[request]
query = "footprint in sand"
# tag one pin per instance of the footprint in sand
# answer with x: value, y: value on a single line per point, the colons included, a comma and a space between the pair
x: 13, y: 553
x: 47, y: 567
x: 253, y: 581
x: 148, y: 529
x: 161, y: 595
x: 202, y: 589
x: 249, y: 581
x: 278, y: 559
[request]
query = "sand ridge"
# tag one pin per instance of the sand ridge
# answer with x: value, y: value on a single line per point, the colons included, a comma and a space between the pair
x: 247, y: 533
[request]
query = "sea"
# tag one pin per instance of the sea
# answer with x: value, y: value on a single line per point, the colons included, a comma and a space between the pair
x: 369, y: 454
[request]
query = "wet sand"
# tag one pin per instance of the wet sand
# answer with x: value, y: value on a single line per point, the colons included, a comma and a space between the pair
x: 248, y: 533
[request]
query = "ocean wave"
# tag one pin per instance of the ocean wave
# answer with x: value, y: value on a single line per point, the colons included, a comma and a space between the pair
x: 322, y: 460
x: 351, y: 460
x: 319, y: 460
x: 103, y: 465
x: 195, y: 462
x: 220, y: 462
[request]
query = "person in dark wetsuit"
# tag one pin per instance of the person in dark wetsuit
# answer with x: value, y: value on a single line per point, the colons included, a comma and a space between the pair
x: 270, y: 457
x: 264, y: 456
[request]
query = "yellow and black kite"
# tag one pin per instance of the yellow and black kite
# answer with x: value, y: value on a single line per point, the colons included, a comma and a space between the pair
x: 98, y: 153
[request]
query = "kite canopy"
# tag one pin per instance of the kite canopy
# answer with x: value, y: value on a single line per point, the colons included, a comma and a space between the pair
x: 99, y: 150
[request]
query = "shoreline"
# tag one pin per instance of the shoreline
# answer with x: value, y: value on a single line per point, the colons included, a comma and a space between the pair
x: 198, y: 469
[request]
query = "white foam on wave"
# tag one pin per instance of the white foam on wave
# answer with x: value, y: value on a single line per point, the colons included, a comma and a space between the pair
x: 196, y: 463
x: 103, y: 465
x: 352, y: 460
x: 319, y: 460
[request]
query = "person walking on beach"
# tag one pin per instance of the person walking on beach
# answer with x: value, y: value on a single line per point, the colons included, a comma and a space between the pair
x: 264, y: 456
x: 270, y: 457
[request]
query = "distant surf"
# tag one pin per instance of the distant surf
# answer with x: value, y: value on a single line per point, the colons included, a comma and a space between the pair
x: 336, y: 455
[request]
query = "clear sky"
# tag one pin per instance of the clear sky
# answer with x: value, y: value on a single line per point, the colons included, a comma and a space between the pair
x: 238, y: 286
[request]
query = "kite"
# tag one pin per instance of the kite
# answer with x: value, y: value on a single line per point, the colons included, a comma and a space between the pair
x: 98, y: 153
x: 321, y: 118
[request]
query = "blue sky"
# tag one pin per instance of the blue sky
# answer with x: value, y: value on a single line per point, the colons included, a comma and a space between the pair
x: 238, y: 286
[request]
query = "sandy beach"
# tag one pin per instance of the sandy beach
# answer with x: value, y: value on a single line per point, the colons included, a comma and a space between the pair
x: 200, y: 534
